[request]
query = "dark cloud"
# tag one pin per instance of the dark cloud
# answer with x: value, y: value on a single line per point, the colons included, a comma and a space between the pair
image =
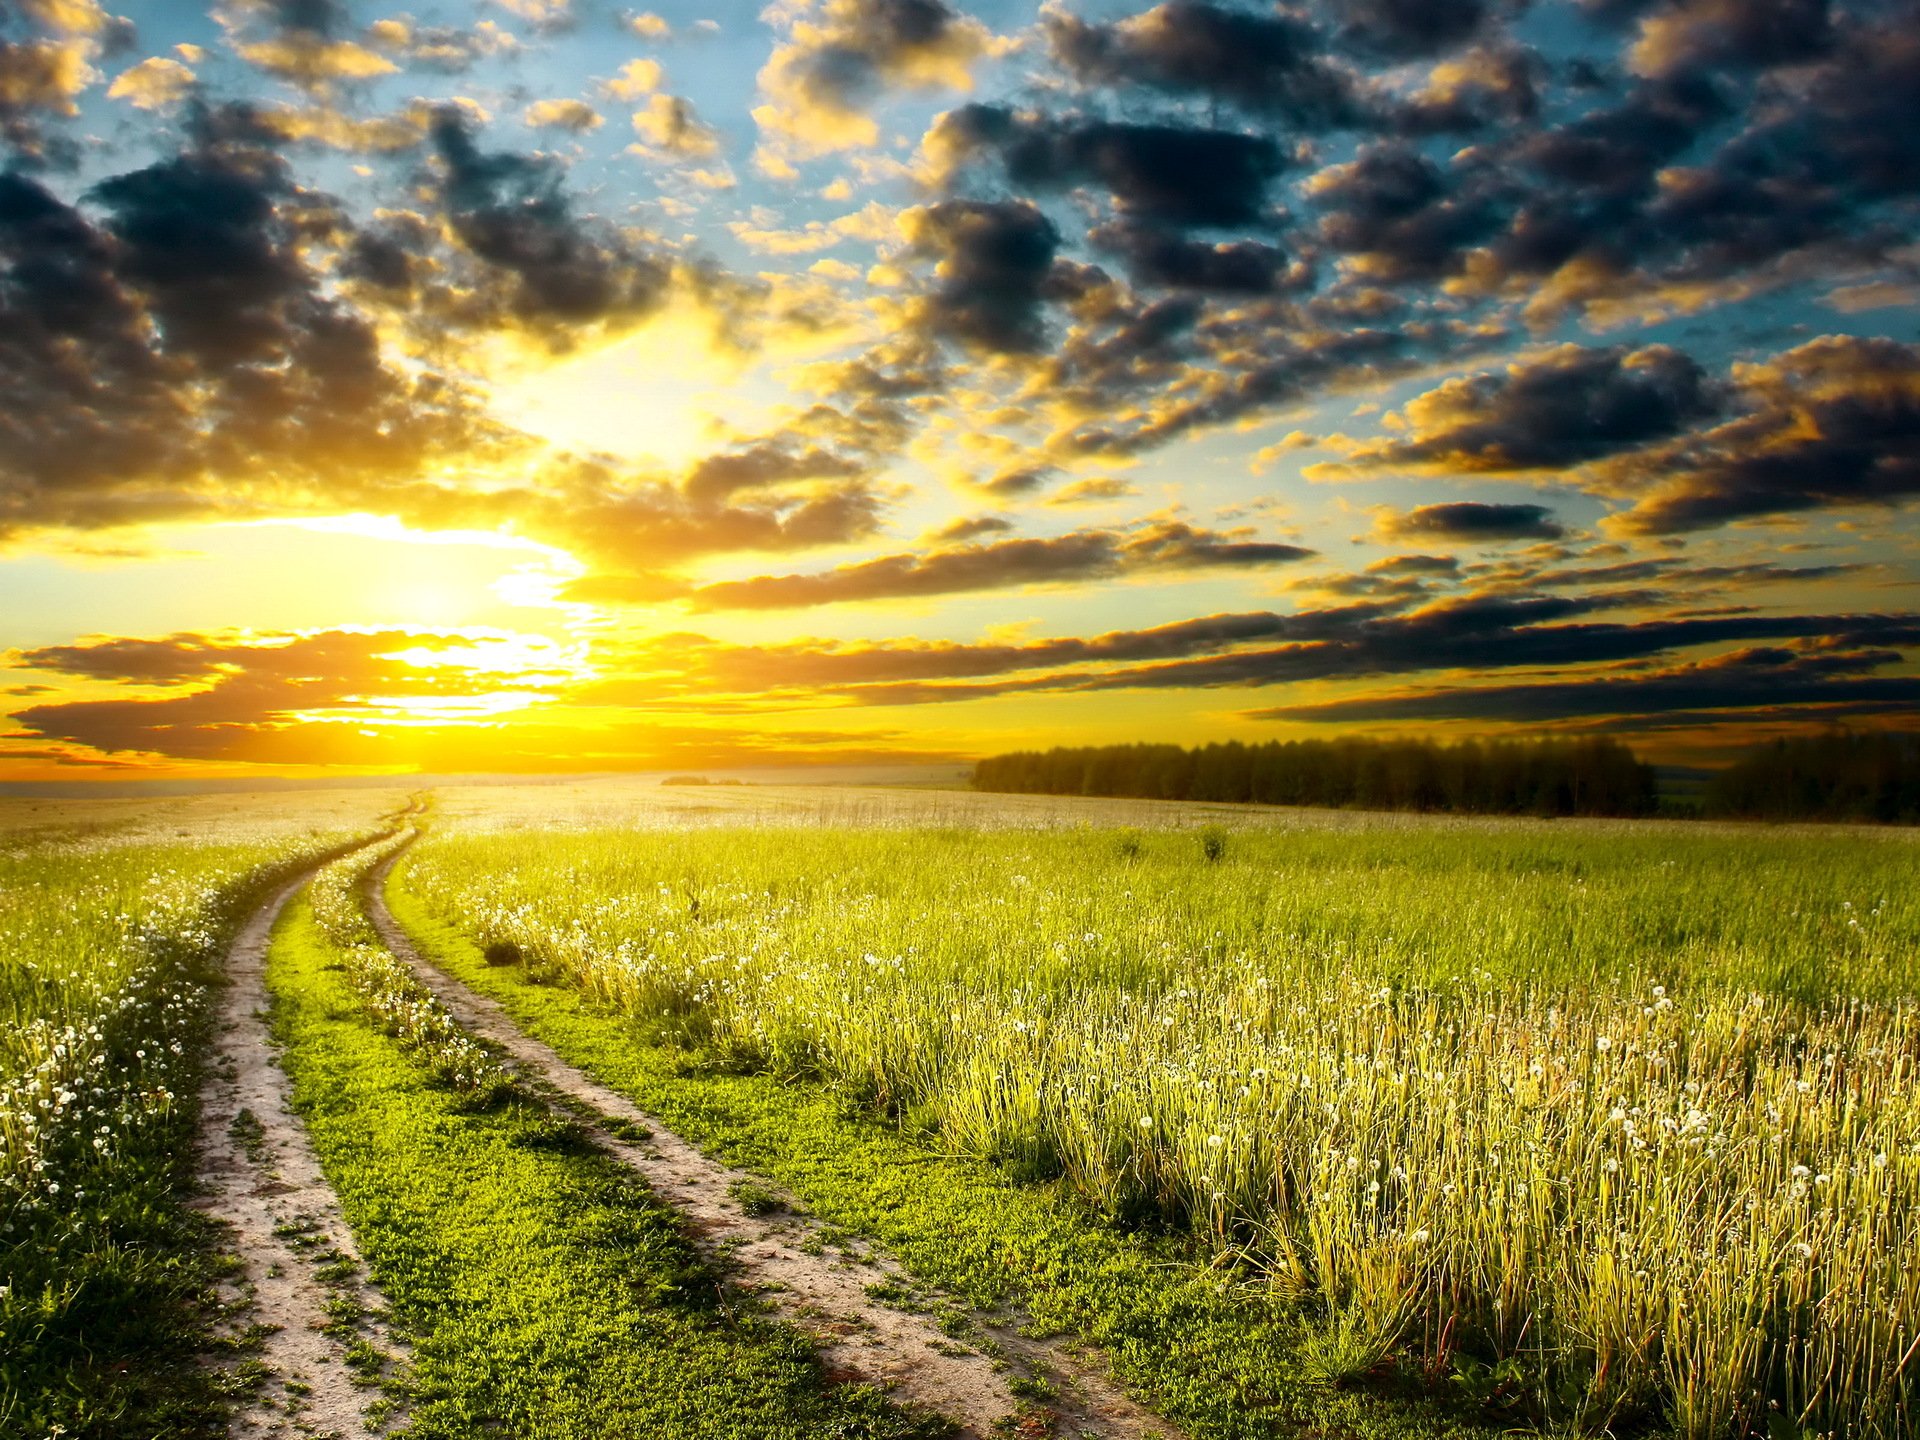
x: 1023, y: 480
x: 711, y: 665
x: 326, y: 18
x: 1473, y: 522
x: 1468, y: 634
x: 772, y: 462
x: 1075, y: 558
x: 1400, y: 217
x: 1222, y: 369
x: 564, y: 273
x: 1407, y: 29
x: 972, y: 527
x: 252, y: 686
x: 870, y: 41
x: 185, y: 340
x: 1267, y: 62
x: 1157, y: 257
x: 1494, y: 85
x: 1696, y: 35
x: 174, y: 660
x: 1759, y: 677
x: 1549, y: 412
x: 1416, y: 565
x: 993, y: 261
x: 1834, y: 423
x: 1163, y: 174
x: 1670, y: 572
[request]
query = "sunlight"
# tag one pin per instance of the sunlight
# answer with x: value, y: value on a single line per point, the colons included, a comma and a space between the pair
x: 668, y: 394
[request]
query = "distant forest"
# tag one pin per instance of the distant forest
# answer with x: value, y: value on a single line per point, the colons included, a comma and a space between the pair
x: 1828, y: 777
x: 1824, y: 777
x: 1543, y: 777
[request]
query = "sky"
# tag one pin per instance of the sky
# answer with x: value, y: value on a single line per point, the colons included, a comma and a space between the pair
x: 551, y: 386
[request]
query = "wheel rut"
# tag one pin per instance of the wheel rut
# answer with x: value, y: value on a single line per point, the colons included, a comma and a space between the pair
x: 783, y: 1256
x: 300, y: 1292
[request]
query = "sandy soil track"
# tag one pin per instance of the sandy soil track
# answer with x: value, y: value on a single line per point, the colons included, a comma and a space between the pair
x: 259, y: 1176
x: 780, y: 1255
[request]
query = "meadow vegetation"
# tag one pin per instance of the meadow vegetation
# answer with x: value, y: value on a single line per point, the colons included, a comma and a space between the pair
x: 1603, y: 1125
x: 115, y: 918
x: 542, y: 1291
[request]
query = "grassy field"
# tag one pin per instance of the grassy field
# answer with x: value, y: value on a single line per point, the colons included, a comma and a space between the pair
x: 113, y: 915
x: 1317, y: 1124
x: 1607, y: 1125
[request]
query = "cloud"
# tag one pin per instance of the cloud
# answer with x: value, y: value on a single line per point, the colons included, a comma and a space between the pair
x: 1022, y: 480
x: 46, y: 52
x: 1700, y: 34
x: 1407, y: 29
x: 637, y: 80
x: 1416, y: 565
x: 842, y: 56
x: 709, y: 666
x: 1161, y: 174
x: 769, y: 463
x: 1472, y: 522
x: 547, y: 15
x: 41, y: 75
x: 180, y: 355
x: 156, y: 83
x: 1834, y: 423
x: 300, y: 41
x: 564, y: 274
x: 1487, y: 86
x: 574, y: 115
x: 1096, y: 490
x: 668, y: 123
x: 992, y: 263
x: 259, y: 684
x: 1399, y: 217
x: 972, y: 527
x: 1382, y: 636
x: 1548, y: 412
x: 1269, y: 64
x: 1075, y: 558
x: 446, y: 49
x: 1752, y: 678
x: 1160, y: 257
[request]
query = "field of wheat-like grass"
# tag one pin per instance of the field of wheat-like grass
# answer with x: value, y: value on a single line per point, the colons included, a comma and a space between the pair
x: 1619, y: 1119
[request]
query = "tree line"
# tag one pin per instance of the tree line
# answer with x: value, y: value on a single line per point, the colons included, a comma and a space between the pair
x: 1536, y: 777
x: 1836, y: 776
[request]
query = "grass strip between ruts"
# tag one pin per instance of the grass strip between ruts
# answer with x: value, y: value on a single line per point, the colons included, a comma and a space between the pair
x: 546, y: 1293
x: 1217, y: 1358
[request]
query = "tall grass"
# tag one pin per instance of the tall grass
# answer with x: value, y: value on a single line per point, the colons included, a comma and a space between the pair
x: 102, y: 975
x: 111, y: 925
x: 1621, y: 1121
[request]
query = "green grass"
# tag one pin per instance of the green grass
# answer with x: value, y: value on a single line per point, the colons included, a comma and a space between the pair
x: 112, y: 949
x: 547, y: 1294
x: 1622, y: 1116
x: 1211, y: 1350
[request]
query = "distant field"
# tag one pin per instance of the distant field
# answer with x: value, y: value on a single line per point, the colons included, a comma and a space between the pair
x: 1381, y: 1126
